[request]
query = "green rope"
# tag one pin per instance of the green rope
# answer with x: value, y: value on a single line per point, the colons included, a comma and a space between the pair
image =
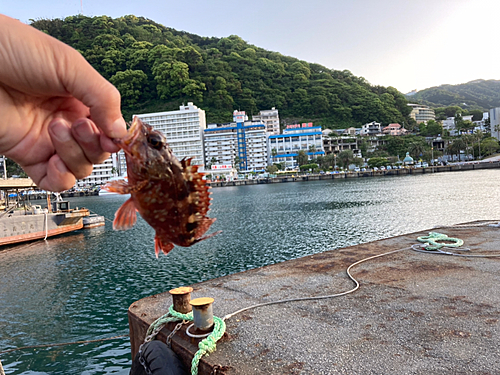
x: 433, y: 237
x: 171, y: 316
x: 206, y: 346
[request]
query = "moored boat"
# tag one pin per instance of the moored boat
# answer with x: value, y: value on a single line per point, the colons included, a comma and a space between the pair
x: 93, y: 221
x: 21, y: 221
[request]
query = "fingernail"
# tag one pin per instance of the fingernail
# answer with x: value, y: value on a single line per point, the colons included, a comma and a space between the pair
x: 118, y: 129
x: 83, y: 129
x: 60, y: 130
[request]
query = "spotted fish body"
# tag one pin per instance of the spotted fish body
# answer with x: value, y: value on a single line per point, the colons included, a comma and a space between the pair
x: 169, y: 194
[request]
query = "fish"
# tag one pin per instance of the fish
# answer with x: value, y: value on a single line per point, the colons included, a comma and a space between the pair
x: 170, y: 194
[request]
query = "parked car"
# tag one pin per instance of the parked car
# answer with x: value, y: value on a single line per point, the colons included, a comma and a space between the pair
x: 425, y: 165
x: 382, y: 168
x: 375, y: 169
x: 389, y: 168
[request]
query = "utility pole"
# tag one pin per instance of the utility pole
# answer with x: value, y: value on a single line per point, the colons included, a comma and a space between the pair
x: 4, y: 159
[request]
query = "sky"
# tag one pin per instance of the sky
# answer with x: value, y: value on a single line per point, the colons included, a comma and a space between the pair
x: 404, y: 44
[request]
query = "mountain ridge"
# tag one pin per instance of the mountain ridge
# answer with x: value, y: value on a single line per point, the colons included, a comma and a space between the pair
x: 157, y: 68
x: 479, y: 94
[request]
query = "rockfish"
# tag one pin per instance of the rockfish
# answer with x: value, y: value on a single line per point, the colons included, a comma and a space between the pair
x: 169, y: 194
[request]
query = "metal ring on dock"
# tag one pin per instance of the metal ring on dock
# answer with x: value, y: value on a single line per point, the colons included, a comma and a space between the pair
x: 196, y: 336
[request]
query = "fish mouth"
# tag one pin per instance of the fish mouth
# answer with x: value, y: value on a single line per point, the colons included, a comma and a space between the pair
x: 132, y: 135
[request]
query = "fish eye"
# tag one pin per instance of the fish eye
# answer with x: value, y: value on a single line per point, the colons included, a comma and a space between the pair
x: 155, y: 141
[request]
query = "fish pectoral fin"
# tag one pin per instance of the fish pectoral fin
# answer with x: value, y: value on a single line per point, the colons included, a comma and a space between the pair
x: 165, y: 247
x: 123, y: 187
x: 126, y: 216
x: 117, y: 186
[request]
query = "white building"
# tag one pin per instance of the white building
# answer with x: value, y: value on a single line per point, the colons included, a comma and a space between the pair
x: 183, y: 130
x: 495, y: 122
x: 284, y: 148
x: 101, y: 173
x: 371, y: 129
x: 481, y: 124
x: 242, y: 139
x: 270, y: 118
x: 450, y: 124
x: 421, y: 113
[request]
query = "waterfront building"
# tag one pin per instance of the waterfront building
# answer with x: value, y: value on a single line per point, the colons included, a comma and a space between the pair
x: 183, y: 129
x: 284, y: 148
x: 101, y: 173
x: 371, y: 129
x: 270, y: 118
x: 421, y: 113
x: 241, y: 142
x: 340, y: 143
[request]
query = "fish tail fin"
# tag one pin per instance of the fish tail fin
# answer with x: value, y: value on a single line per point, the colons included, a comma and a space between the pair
x: 165, y: 247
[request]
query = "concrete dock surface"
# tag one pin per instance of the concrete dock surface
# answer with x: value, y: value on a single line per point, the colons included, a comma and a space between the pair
x: 414, y: 312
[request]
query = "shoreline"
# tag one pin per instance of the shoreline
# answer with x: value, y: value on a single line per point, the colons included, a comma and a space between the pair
x: 344, y: 175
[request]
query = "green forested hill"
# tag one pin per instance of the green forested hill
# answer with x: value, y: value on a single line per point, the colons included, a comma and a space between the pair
x: 479, y: 94
x: 157, y: 68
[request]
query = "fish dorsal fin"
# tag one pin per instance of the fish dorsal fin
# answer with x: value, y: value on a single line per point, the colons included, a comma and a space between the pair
x: 126, y: 216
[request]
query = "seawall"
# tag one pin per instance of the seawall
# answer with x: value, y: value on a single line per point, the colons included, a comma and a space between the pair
x: 335, y: 176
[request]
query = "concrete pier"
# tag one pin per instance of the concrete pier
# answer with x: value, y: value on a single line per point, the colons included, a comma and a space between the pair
x: 414, y: 313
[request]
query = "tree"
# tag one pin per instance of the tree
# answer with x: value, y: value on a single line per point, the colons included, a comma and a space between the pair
x: 489, y: 145
x: 302, y: 158
x: 237, y: 163
x: 345, y: 158
x: 272, y: 168
x: 377, y: 162
x: 434, y: 128
x: 416, y: 150
x: 478, y: 137
x: 456, y: 146
x: 130, y: 83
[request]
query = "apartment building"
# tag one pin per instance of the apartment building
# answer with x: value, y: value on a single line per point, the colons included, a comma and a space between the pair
x: 270, y: 118
x: 371, y: 129
x: 101, y: 173
x: 242, y: 142
x: 421, y: 113
x: 183, y: 129
x: 284, y: 148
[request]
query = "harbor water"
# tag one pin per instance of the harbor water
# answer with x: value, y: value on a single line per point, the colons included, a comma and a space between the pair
x: 79, y: 286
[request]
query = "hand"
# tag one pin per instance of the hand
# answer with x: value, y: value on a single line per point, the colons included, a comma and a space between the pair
x: 57, y: 114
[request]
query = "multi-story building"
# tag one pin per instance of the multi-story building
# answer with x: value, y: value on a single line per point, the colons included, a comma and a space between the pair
x: 241, y: 142
x: 394, y: 129
x: 284, y: 148
x: 101, y: 173
x: 270, y: 118
x: 450, y: 124
x: 495, y: 122
x: 421, y: 113
x: 183, y: 130
x: 371, y: 129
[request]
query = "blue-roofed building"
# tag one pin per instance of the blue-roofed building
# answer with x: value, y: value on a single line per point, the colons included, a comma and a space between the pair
x: 241, y: 141
x: 284, y: 148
